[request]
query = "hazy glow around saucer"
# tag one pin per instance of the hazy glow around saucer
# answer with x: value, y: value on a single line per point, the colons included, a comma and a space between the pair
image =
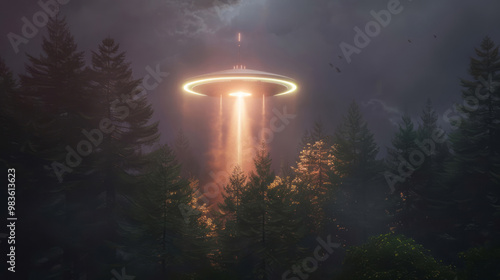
x: 240, y: 94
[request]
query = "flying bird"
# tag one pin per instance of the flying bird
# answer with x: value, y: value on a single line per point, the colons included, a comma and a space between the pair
x: 336, y: 68
x: 435, y: 36
x: 409, y: 41
x: 340, y: 56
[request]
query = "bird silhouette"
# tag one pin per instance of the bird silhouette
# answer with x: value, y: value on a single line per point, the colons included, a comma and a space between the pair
x: 435, y: 36
x: 340, y: 56
x: 336, y: 68
x: 409, y: 41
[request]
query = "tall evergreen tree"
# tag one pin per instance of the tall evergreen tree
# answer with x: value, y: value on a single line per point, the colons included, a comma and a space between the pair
x: 254, y: 217
x: 431, y: 140
x: 55, y: 85
x: 354, y: 146
x: 430, y: 195
x: 128, y: 130
x: 8, y: 117
x: 313, y: 178
x: 185, y: 155
x: 166, y: 244
x: 285, y: 227
x: 420, y: 198
x: 317, y: 133
x: 354, y: 153
x: 475, y: 167
x: 403, y: 143
x: 230, y: 208
x: 268, y: 225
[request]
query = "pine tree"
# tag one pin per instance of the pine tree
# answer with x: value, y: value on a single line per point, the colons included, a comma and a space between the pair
x: 254, y: 217
x: 475, y: 167
x: 16, y: 117
x: 230, y: 208
x: 403, y: 143
x: 354, y: 147
x: 313, y: 176
x: 166, y: 243
x: 120, y: 158
x: 185, y: 155
x: 55, y: 87
x: 354, y: 152
x: 9, y: 144
x: 435, y: 152
x: 317, y: 133
x: 268, y: 225
x: 429, y: 201
x: 285, y: 228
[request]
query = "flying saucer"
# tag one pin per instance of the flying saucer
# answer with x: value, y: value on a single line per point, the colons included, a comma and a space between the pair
x: 240, y: 82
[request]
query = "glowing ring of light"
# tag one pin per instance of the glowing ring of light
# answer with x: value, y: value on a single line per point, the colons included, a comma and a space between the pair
x: 189, y: 87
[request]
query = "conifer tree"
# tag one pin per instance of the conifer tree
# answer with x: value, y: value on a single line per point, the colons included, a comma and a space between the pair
x: 230, y: 208
x: 313, y: 178
x: 317, y: 133
x: 285, y: 228
x: 128, y: 130
x: 431, y: 141
x: 56, y: 88
x: 9, y: 143
x: 254, y: 217
x: 475, y: 167
x: 268, y: 225
x: 185, y: 155
x: 403, y: 143
x: 354, y: 152
x: 166, y: 243
x: 354, y: 146
x: 429, y: 198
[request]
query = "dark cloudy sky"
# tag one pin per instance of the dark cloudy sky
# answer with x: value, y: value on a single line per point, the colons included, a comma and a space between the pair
x: 296, y: 38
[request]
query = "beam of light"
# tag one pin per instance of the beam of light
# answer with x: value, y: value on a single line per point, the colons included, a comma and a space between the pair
x: 220, y: 123
x: 263, y: 115
x: 239, y: 37
x: 220, y: 105
x: 240, y: 107
x: 235, y: 148
x: 240, y: 94
x: 290, y: 86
